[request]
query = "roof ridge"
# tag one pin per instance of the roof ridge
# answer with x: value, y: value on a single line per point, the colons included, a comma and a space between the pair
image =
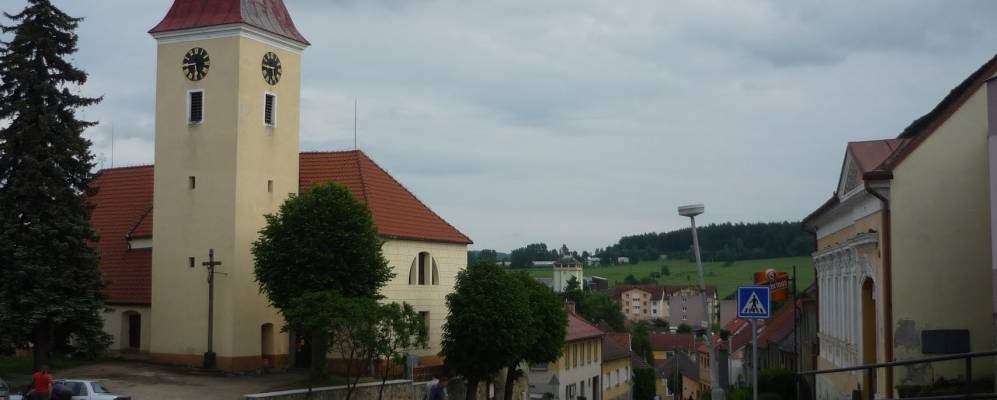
x: 136, y: 166
x: 388, y: 174
x: 139, y: 222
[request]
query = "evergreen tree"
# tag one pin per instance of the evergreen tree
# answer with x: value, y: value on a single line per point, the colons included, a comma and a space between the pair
x: 51, y: 282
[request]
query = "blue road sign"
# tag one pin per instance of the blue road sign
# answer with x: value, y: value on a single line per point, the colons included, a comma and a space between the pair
x: 753, y: 302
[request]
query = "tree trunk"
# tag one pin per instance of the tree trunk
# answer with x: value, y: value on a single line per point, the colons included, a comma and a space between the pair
x: 42, y: 337
x: 511, y: 374
x: 320, y: 347
x: 472, y: 389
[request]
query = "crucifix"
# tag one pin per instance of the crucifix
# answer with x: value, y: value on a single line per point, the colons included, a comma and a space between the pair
x: 209, y: 356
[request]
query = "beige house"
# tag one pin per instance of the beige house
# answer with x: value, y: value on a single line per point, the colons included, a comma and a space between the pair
x: 578, y: 372
x: 616, y: 384
x: 904, y: 260
x: 227, y: 109
x: 676, y: 304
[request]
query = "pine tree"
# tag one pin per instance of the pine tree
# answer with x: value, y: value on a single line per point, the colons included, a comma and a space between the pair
x: 51, y: 289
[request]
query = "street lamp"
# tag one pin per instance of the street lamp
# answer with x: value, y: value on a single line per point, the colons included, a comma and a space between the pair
x: 692, y: 211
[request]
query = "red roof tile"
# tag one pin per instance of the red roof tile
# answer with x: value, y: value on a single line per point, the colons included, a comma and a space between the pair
x: 612, y: 349
x: 579, y: 328
x: 777, y: 327
x: 397, y: 212
x: 671, y: 341
x: 123, y: 199
x: 268, y: 15
x: 870, y: 153
x: 123, y: 211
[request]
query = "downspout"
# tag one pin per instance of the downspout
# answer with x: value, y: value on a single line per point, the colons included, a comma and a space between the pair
x: 887, y: 283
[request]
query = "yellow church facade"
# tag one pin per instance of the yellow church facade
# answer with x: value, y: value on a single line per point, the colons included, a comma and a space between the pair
x: 228, y: 85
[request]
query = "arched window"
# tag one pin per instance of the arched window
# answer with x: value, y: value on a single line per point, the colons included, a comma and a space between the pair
x: 424, y: 270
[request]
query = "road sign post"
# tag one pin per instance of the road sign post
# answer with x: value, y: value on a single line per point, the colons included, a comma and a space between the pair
x: 754, y: 303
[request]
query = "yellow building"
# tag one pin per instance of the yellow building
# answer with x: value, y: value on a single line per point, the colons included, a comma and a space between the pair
x: 616, y: 382
x: 578, y: 372
x: 904, y: 260
x: 228, y: 87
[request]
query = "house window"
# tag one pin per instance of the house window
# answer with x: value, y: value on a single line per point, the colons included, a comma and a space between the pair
x: 270, y: 186
x: 425, y: 320
x: 195, y: 106
x: 424, y: 270
x: 192, y: 182
x: 270, y: 109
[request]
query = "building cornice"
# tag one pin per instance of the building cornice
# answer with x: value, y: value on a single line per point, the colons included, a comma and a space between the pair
x: 229, y: 30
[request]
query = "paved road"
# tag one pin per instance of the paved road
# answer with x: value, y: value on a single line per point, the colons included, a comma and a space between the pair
x: 147, y: 381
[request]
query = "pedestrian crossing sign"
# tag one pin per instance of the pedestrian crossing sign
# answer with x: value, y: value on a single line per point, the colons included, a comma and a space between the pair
x: 753, y: 302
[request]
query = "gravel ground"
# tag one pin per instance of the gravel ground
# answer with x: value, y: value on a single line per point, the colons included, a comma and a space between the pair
x: 145, y: 381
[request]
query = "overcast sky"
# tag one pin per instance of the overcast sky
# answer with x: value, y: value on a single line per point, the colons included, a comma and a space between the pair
x: 580, y: 121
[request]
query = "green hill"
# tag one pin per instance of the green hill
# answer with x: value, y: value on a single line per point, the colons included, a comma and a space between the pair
x: 726, y: 277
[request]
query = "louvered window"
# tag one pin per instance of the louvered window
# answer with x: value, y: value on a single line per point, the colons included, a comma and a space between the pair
x: 195, y: 107
x: 269, y: 110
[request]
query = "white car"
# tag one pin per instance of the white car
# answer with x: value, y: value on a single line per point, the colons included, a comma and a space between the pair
x: 84, y: 389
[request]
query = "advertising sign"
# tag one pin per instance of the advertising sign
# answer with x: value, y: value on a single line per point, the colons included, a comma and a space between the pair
x: 778, y: 283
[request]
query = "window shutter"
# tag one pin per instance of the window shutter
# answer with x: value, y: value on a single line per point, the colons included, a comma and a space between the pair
x: 196, y: 112
x: 268, y: 109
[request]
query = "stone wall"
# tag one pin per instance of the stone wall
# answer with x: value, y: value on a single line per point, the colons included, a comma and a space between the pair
x: 396, y: 389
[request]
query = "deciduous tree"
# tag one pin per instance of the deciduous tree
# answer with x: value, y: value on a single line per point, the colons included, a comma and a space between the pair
x: 544, y: 328
x: 483, y: 332
x: 399, y: 328
x: 50, y: 282
x: 323, y: 239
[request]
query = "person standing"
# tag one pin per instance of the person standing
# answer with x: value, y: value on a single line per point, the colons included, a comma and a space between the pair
x: 439, y: 392
x: 41, y: 383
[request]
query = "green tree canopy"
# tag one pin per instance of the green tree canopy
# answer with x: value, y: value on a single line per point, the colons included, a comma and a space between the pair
x: 323, y: 239
x: 544, y: 328
x: 51, y: 283
x: 484, y: 331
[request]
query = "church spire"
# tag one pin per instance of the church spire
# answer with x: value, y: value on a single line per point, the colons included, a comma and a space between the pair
x: 268, y: 15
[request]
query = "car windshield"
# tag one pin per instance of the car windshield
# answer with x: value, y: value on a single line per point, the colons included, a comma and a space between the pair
x: 98, y: 388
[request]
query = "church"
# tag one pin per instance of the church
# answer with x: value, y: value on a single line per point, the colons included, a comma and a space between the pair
x: 228, y: 82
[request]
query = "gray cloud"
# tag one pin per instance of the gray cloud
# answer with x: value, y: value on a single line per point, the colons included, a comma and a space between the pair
x: 579, y: 121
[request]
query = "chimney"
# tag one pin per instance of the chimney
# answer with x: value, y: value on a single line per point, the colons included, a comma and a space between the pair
x: 569, y: 306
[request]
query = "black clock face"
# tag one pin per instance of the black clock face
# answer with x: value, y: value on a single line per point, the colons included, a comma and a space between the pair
x: 271, y: 68
x: 196, y: 63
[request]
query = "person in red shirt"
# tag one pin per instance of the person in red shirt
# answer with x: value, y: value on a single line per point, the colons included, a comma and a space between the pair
x: 41, y: 382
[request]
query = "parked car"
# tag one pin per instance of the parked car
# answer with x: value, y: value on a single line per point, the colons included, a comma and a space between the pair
x: 83, y: 389
x: 4, y: 390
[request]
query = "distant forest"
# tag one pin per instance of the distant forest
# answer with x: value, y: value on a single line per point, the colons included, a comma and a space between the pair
x: 726, y: 242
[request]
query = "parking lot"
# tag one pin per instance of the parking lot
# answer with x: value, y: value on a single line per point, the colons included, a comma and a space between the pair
x: 147, y: 381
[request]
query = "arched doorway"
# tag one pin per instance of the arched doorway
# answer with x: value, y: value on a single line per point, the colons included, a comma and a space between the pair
x: 131, y: 331
x: 266, y: 345
x: 868, y: 334
x: 302, y: 350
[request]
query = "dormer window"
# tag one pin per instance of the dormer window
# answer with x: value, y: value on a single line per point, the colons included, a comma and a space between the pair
x: 195, y: 106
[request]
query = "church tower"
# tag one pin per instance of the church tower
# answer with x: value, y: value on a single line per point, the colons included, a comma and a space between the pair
x: 228, y: 84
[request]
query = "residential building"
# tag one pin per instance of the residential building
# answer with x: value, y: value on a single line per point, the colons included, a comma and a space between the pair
x: 578, y: 372
x: 675, y: 304
x: 226, y: 153
x: 904, y: 254
x: 665, y: 345
x: 616, y: 382
x: 680, y: 367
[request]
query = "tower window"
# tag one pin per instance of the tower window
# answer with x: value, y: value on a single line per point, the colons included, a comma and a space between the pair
x: 270, y: 109
x: 270, y: 186
x: 190, y: 260
x: 195, y: 107
x: 192, y: 182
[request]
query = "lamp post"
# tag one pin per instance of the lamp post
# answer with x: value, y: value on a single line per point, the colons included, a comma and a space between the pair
x: 692, y: 211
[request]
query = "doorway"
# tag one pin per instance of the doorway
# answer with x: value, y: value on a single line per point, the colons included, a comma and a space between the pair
x: 302, y: 351
x: 132, y: 335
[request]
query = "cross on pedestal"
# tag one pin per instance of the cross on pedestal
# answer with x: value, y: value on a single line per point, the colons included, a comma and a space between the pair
x: 209, y: 356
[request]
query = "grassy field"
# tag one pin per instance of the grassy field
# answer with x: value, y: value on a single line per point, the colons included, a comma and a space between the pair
x: 725, y: 278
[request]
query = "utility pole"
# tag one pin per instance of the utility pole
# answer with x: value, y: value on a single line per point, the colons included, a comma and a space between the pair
x: 209, y: 356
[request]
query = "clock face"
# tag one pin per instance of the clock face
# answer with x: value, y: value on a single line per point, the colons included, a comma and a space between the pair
x: 196, y: 63
x: 271, y: 68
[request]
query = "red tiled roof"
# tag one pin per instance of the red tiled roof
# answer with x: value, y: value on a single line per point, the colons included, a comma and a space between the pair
x: 268, y: 15
x: 123, y: 199
x: 123, y: 211
x: 612, y: 349
x: 579, y: 328
x: 777, y: 327
x: 671, y: 341
x: 397, y: 212
x: 870, y: 153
